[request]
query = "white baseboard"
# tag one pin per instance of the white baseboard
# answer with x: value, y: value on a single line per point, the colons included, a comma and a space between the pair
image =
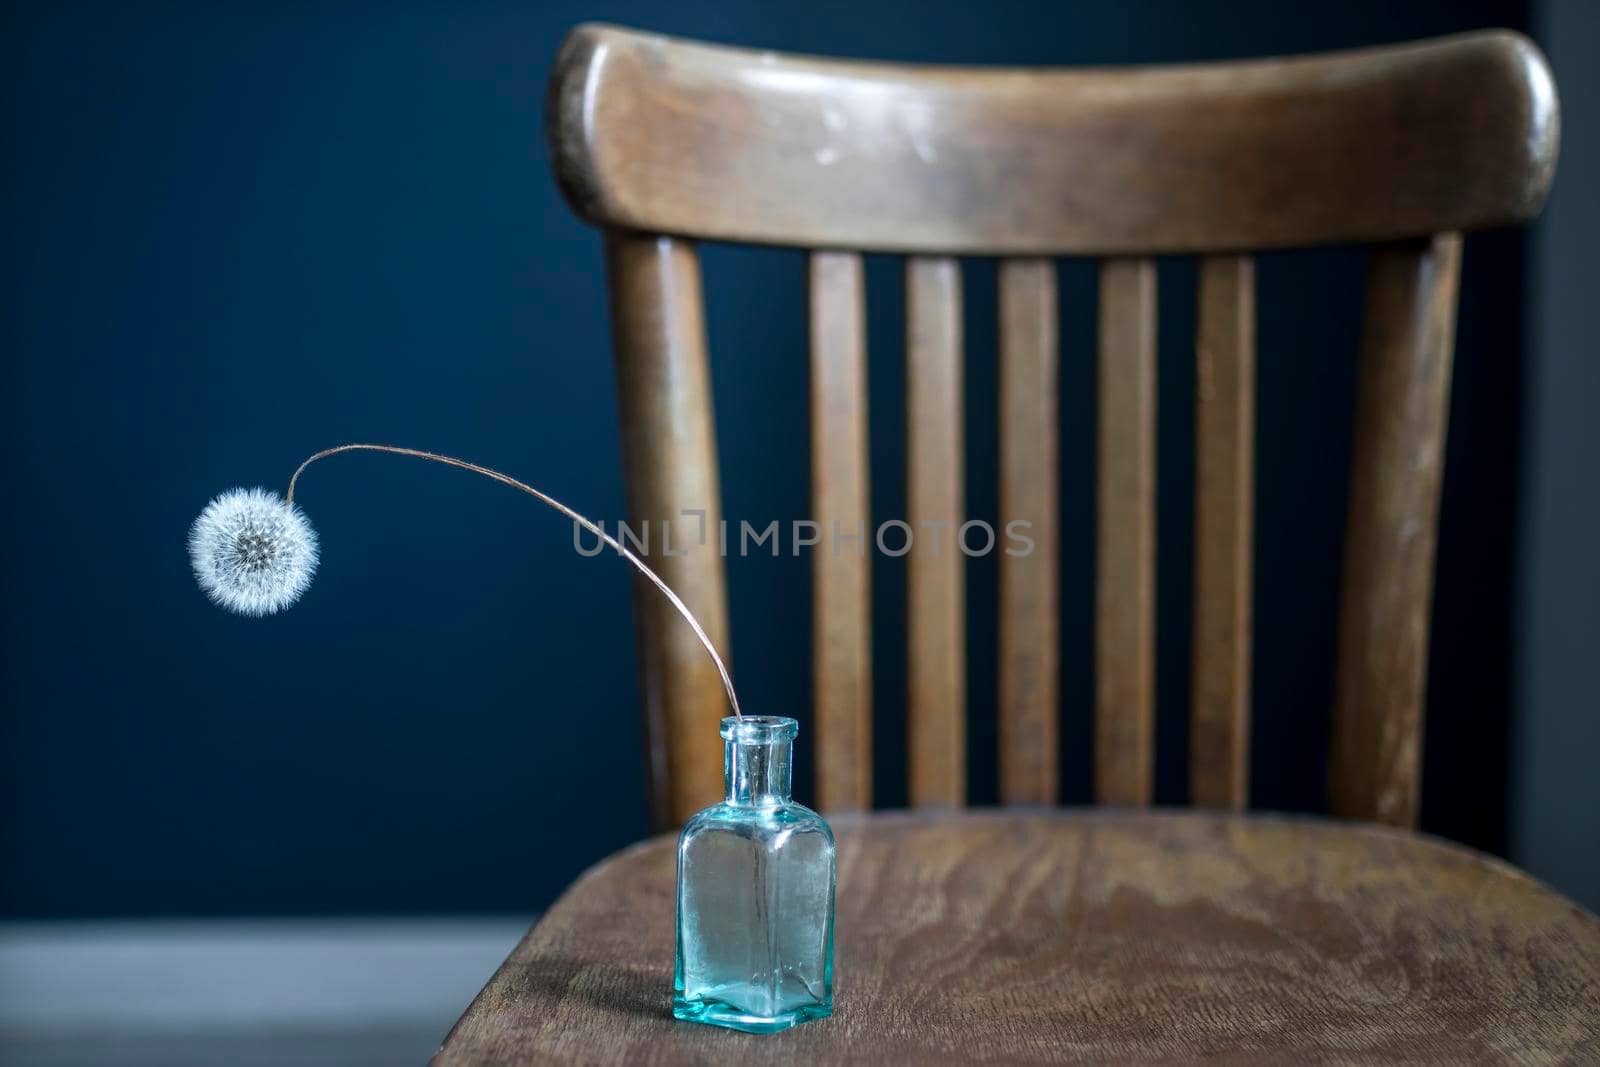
x: 84, y: 985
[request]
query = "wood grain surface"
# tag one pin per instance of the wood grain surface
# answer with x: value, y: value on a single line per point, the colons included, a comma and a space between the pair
x: 1224, y: 513
x: 1386, y: 593
x: 936, y: 571
x: 1091, y: 937
x: 841, y: 570
x: 1125, y: 539
x: 1030, y: 477
x: 662, y: 135
x: 669, y: 457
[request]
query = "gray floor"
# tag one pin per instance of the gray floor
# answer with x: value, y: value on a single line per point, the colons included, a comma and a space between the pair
x: 175, y: 994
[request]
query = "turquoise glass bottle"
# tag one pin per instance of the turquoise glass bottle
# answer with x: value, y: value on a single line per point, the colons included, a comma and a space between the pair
x: 755, y: 893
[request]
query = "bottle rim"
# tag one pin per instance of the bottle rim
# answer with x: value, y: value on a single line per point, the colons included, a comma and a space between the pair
x: 759, y: 729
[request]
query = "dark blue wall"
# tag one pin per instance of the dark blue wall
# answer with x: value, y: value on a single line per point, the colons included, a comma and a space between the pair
x: 234, y: 238
x: 1555, y: 819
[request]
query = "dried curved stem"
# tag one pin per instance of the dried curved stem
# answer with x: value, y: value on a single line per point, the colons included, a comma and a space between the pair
x: 506, y: 479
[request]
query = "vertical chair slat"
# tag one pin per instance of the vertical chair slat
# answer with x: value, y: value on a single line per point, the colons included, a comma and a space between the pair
x: 1125, y: 567
x: 669, y: 453
x: 1225, y: 402
x: 1402, y: 404
x: 841, y: 573
x: 936, y: 586
x: 1029, y: 477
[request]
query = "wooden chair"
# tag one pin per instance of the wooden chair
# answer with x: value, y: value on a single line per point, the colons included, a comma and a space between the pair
x: 1029, y: 934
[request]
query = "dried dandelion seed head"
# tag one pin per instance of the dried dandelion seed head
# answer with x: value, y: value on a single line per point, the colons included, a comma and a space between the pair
x: 252, y: 553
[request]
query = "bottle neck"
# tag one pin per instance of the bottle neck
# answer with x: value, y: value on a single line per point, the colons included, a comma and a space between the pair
x: 758, y: 774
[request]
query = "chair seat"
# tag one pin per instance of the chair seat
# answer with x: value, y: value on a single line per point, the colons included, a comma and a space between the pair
x: 1047, y: 936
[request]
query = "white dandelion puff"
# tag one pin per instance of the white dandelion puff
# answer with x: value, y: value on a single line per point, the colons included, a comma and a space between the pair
x: 252, y: 553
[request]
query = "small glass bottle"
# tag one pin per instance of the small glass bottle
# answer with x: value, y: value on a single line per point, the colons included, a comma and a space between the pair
x: 755, y: 894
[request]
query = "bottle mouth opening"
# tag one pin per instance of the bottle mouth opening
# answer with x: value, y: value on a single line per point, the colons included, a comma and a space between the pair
x: 759, y: 729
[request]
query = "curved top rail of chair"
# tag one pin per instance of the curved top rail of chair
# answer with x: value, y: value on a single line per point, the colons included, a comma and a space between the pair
x: 670, y: 136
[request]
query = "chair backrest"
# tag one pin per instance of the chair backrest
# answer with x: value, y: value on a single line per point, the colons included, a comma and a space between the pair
x: 662, y: 141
